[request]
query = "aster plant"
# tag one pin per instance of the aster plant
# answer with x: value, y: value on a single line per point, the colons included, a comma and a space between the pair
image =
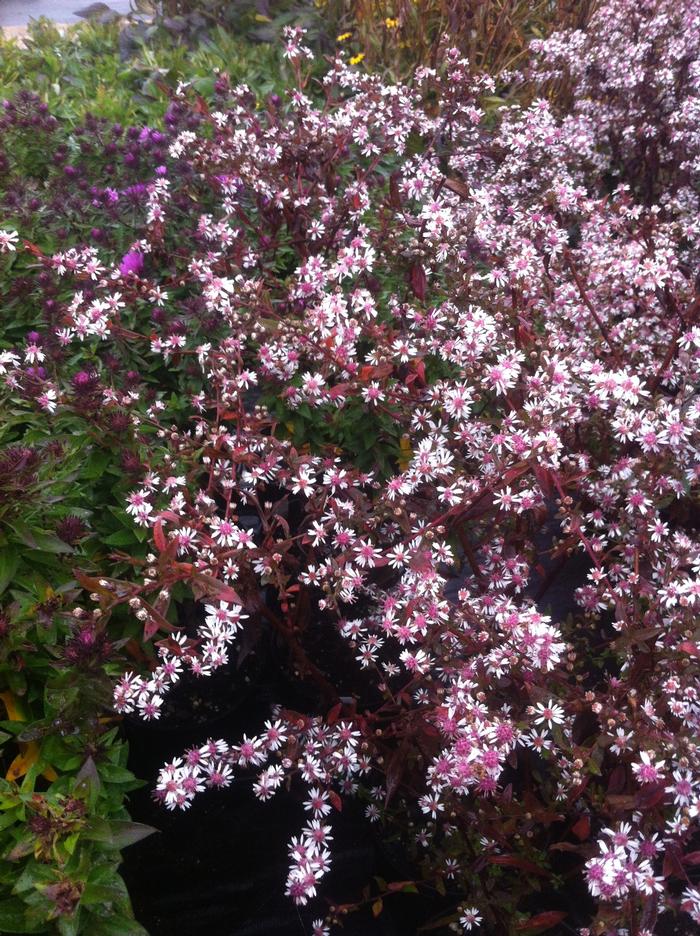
x: 440, y: 370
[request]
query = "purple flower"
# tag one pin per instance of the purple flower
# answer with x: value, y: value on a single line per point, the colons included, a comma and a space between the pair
x: 132, y: 262
x: 134, y: 191
x: 71, y: 529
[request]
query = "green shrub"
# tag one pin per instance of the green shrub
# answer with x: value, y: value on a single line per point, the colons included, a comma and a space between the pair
x: 69, y: 101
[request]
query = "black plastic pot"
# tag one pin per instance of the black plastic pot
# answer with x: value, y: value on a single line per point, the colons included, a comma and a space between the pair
x: 219, y: 869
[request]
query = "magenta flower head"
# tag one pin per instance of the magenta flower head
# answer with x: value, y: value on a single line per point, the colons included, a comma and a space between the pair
x: 85, y: 382
x: 132, y: 262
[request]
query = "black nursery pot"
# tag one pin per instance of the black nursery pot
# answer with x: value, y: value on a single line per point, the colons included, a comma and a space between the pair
x: 220, y: 867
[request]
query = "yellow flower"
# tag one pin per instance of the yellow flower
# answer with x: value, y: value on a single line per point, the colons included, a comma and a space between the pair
x: 356, y: 59
x: 391, y: 23
x: 342, y: 37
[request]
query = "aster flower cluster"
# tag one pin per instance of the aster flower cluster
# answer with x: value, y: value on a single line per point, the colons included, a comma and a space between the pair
x: 325, y: 754
x: 213, y: 638
x: 507, y: 308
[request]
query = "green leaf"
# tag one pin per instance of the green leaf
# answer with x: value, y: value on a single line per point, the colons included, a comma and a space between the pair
x: 24, y: 847
x: 101, y: 893
x: 113, y: 774
x: 122, y: 516
x: 8, y: 819
x: 116, y: 925
x: 71, y: 841
x: 119, y: 833
x: 96, y: 464
x: 120, y: 538
x: 54, y: 751
x: 125, y: 832
x: 88, y: 782
x: 204, y: 86
x: 40, y: 540
x: 68, y: 926
x: 33, y: 876
x: 13, y: 918
x: 9, y: 561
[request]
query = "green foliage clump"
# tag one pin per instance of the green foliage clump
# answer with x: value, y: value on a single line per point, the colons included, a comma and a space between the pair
x: 69, y: 100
